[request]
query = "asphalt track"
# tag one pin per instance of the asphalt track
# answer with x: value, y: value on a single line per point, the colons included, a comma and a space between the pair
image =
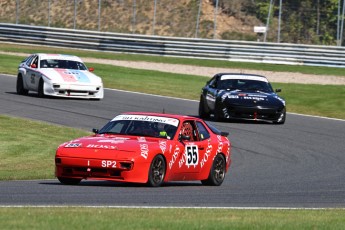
x: 300, y: 164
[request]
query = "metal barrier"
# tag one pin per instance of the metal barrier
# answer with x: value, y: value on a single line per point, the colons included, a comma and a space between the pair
x: 241, y: 51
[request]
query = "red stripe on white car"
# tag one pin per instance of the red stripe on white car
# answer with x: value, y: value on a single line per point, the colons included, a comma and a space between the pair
x: 65, y: 75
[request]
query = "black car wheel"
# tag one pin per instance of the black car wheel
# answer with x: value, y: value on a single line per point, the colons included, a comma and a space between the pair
x: 217, y: 172
x: 157, y: 171
x: 69, y: 181
x: 202, y: 112
x: 40, y: 88
x: 20, y: 86
x: 218, y: 113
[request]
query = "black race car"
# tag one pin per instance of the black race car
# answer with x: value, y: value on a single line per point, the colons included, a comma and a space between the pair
x: 241, y: 96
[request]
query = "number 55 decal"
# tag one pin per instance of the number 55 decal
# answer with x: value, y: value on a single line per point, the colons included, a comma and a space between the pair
x: 192, y: 155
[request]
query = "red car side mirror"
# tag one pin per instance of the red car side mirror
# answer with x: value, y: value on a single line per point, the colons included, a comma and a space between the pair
x: 91, y: 69
x: 33, y: 66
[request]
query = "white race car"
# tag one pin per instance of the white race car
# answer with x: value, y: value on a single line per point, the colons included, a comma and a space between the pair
x: 58, y: 75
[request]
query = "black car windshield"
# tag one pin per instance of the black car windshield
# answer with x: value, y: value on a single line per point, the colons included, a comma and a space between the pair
x: 245, y: 85
x: 140, y: 128
x: 62, y: 64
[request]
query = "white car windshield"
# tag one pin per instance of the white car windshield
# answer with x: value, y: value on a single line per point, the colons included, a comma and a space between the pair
x: 62, y: 64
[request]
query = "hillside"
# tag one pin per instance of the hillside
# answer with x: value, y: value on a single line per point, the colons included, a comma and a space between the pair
x: 172, y: 18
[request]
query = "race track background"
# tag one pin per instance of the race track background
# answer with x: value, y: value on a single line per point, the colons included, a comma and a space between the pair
x: 298, y: 164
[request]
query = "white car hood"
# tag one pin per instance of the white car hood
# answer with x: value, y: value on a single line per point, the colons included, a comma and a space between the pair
x: 70, y: 76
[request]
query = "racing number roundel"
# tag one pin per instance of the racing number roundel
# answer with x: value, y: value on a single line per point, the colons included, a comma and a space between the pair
x: 192, y: 155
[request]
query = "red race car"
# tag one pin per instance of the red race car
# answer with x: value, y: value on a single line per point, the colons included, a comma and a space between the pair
x: 147, y: 148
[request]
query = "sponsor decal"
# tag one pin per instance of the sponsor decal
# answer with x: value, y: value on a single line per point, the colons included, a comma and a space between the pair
x: 165, y: 120
x: 101, y: 146
x: 163, y: 146
x: 220, y: 144
x: 32, y: 78
x: 207, y: 155
x: 141, y: 139
x: 73, y: 145
x: 230, y: 96
x: 227, y: 153
x: 174, y: 156
x: 144, y: 150
x: 243, y: 77
x: 244, y: 96
x: 112, y: 141
x: 256, y: 98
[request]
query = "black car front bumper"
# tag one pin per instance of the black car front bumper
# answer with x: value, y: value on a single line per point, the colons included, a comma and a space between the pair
x: 259, y: 113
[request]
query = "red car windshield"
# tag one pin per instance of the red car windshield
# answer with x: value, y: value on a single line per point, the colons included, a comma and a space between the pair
x: 140, y: 128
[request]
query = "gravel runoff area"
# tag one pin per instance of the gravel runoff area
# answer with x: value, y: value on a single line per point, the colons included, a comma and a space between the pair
x: 282, y: 77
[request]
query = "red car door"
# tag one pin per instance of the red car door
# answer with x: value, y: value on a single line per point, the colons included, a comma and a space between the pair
x: 189, y: 151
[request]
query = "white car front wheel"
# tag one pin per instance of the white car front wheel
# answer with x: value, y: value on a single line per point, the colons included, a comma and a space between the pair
x: 20, y: 86
x: 41, y: 88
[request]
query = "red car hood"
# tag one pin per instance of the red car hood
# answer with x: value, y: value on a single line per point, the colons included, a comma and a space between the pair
x: 110, y: 146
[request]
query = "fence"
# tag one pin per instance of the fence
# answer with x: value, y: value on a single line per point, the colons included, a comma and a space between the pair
x: 241, y: 51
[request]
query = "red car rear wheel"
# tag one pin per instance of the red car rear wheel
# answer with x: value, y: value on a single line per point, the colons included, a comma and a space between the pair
x: 217, y: 172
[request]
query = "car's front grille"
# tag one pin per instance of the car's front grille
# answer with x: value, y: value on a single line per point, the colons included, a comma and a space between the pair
x: 253, y: 113
x: 92, y: 172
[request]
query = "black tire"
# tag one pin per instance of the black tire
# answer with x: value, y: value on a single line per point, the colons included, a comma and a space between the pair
x: 157, y: 171
x: 217, y: 172
x: 20, y: 86
x: 218, y: 113
x: 202, y: 112
x: 69, y: 181
x: 281, y: 120
x: 40, y: 88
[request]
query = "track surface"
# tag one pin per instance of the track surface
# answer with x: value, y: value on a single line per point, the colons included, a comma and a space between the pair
x: 299, y: 164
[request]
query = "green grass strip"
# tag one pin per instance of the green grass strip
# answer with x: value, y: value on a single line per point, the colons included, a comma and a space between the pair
x: 27, y: 148
x: 175, y: 218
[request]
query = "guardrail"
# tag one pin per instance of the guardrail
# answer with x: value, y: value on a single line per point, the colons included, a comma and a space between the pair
x: 241, y: 51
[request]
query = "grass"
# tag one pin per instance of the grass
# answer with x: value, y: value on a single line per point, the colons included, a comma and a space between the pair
x: 319, y: 100
x: 177, y: 218
x: 27, y: 148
